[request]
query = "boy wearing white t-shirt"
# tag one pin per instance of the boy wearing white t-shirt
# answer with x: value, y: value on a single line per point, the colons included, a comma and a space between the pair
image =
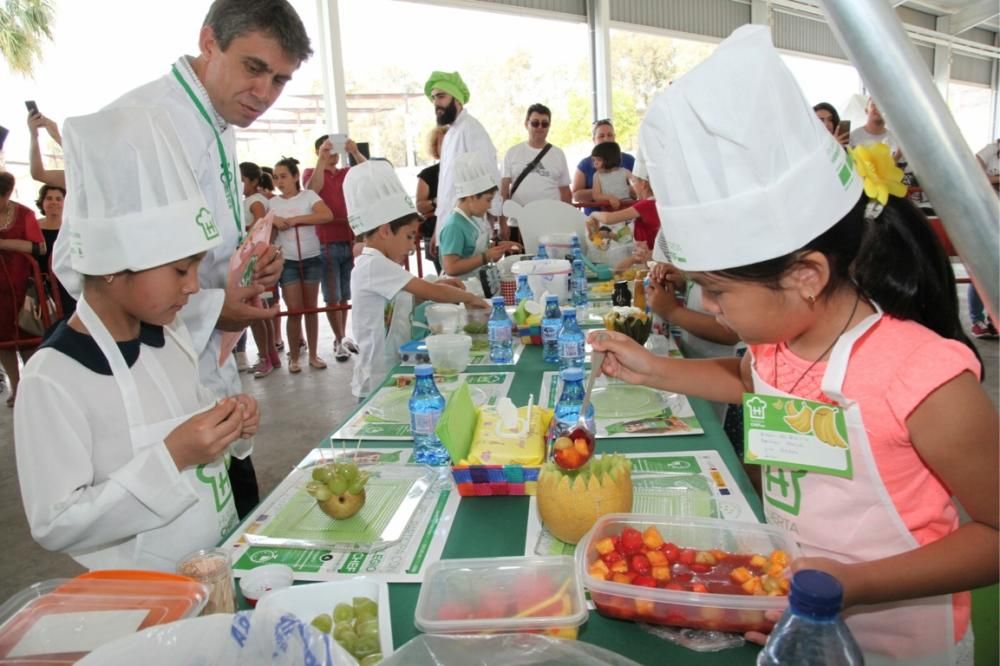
x: 384, y: 217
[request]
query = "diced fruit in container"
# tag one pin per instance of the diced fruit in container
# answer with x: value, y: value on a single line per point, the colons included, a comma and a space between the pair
x: 657, y: 559
x: 712, y: 612
x: 454, y: 610
x: 705, y: 557
x: 631, y: 540
x: 618, y: 543
x: 599, y: 570
x: 644, y: 581
x: 605, y: 545
x: 620, y: 566
x: 562, y: 443
x: 758, y: 561
x: 568, y: 458
x: 582, y: 447
x: 661, y: 574
x: 779, y: 557
x: 671, y: 551
x: 644, y: 607
x: 785, y: 585
x: 770, y: 584
x: 740, y: 574
x: 562, y: 632
x: 700, y: 568
x: 751, y: 586
x: 612, y: 557
x: 626, y: 578
x: 673, y: 585
x: 640, y: 564
x: 775, y: 570
x: 686, y: 556
x: 700, y: 588
x: 652, y: 538
x: 719, y: 555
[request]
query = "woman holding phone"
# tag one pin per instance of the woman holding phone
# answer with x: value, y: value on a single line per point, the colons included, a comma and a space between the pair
x: 840, y: 129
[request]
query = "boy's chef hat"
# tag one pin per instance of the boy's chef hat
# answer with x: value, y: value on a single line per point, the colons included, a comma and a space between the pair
x: 132, y: 198
x: 375, y: 196
x: 742, y: 168
x: 473, y: 175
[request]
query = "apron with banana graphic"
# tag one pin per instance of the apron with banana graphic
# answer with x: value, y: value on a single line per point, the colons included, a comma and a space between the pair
x: 849, y: 517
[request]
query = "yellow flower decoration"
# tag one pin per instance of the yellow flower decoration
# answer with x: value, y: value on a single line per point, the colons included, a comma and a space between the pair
x: 875, y: 165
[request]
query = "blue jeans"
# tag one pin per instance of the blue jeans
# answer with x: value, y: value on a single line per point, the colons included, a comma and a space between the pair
x: 977, y: 311
x: 338, y: 262
x: 308, y: 270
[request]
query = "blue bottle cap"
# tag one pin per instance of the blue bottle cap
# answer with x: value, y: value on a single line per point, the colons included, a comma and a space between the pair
x: 815, y: 593
x: 551, y: 298
x: 498, y: 300
x: 424, y: 370
x: 572, y: 375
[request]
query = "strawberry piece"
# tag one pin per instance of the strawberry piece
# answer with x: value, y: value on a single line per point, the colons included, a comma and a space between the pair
x: 686, y: 556
x: 644, y: 581
x: 640, y: 564
x: 454, y: 610
x: 617, y: 539
x: 674, y: 585
x: 612, y: 557
x: 631, y: 541
x: 698, y: 587
x: 671, y: 551
x: 700, y: 568
x: 568, y: 458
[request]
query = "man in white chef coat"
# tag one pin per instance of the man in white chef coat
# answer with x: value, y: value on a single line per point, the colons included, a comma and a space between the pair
x: 449, y: 94
x: 248, y: 51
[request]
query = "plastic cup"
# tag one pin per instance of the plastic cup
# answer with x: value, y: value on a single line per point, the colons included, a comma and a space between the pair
x: 213, y: 568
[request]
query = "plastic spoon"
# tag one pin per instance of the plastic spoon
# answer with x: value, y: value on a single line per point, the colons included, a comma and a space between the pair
x: 581, y: 430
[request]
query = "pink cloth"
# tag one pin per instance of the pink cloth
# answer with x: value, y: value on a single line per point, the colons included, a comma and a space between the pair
x: 332, y: 194
x: 892, y: 370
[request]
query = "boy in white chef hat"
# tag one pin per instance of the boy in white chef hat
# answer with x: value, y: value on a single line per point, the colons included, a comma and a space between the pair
x: 120, y: 451
x: 845, y: 302
x: 383, y: 215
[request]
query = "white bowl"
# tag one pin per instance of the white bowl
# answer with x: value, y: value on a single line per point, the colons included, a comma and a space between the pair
x: 265, y: 580
x: 450, y: 353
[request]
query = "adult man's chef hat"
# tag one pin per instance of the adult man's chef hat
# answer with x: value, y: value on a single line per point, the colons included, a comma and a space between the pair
x: 449, y: 82
x: 132, y: 198
x: 374, y: 196
x: 473, y: 175
x: 742, y: 169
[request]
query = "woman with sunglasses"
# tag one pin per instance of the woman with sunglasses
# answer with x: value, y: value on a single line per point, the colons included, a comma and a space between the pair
x: 583, y: 179
x: 535, y: 169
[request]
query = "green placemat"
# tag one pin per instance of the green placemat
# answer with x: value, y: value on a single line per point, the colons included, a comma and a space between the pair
x: 301, y: 517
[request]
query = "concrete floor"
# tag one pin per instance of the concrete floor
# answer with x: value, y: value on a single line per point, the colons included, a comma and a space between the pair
x: 297, y: 411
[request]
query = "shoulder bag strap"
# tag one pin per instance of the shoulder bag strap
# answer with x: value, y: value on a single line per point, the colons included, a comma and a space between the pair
x: 528, y: 169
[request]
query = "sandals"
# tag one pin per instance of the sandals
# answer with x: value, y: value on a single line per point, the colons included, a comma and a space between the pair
x: 317, y: 363
x: 294, y: 367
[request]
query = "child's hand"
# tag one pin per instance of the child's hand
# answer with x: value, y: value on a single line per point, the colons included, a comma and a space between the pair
x: 452, y: 282
x: 479, y: 303
x: 661, y: 298
x: 281, y: 223
x: 625, y: 358
x: 758, y: 637
x: 269, y: 266
x: 204, y: 437
x: 615, y: 203
x: 251, y: 415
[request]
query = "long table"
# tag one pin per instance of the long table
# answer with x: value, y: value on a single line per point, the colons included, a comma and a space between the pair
x: 495, y: 527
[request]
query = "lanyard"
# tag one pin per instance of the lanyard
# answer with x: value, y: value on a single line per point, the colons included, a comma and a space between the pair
x: 228, y: 182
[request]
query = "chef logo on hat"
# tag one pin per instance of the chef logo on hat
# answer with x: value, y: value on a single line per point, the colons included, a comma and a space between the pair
x: 207, y: 223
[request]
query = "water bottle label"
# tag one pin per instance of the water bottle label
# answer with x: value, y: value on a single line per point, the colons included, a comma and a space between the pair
x: 550, y: 332
x: 571, y: 349
x: 501, y: 335
x: 424, y: 423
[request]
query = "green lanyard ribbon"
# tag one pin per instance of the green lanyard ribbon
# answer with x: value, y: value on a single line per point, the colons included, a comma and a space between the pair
x: 228, y: 181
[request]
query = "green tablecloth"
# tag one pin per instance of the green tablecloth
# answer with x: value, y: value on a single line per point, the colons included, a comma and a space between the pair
x: 495, y: 526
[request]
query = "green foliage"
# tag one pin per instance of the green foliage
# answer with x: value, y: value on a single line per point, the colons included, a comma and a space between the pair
x: 24, y: 27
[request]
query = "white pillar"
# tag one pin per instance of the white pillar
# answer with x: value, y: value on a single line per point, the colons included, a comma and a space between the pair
x: 942, y: 59
x: 760, y: 12
x: 332, y: 65
x: 598, y: 22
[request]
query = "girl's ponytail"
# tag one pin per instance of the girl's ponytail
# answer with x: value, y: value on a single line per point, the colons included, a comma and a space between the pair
x: 902, y: 266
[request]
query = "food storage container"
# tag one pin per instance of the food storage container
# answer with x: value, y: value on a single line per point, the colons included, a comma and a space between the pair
x: 443, y: 317
x: 709, y: 583
x: 502, y: 595
x: 450, y: 353
x: 546, y: 275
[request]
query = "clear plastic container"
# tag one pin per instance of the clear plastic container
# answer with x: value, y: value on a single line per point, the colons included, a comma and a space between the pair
x: 450, y: 353
x: 738, y: 612
x: 502, y: 595
x: 60, y: 621
x: 443, y: 317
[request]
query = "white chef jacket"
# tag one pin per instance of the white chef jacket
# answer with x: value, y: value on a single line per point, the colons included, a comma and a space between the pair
x: 86, y: 491
x: 466, y: 135
x: 199, y: 143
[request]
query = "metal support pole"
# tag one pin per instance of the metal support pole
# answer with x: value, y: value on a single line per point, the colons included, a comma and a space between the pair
x: 332, y: 66
x: 598, y: 22
x: 874, y: 40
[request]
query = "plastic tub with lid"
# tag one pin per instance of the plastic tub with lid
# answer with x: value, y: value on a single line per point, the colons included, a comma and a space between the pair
x: 444, y: 317
x: 502, y: 595
x: 546, y: 275
x: 450, y: 353
x: 559, y: 245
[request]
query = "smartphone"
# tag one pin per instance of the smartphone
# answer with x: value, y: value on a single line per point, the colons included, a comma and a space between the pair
x: 31, y: 106
x: 844, y: 127
x: 3, y: 135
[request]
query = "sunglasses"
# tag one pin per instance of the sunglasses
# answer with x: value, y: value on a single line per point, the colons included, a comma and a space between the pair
x: 602, y: 121
x: 539, y: 123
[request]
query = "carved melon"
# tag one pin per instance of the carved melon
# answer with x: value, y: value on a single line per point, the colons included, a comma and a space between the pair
x: 569, y: 503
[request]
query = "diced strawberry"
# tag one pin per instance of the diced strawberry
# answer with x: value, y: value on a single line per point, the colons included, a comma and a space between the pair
x: 619, y: 607
x: 686, y: 556
x: 644, y: 581
x: 612, y: 557
x: 652, y: 538
x: 656, y: 558
x: 617, y: 539
x: 639, y: 563
x: 631, y: 541
x: 698, y: 587
x: 454, y: 610
x: 683, y: 577
x: 700, y: 568
x: 605, y: 545
x: 674, y: 585
x: 568, y: 458
x: 671, y: 551
x: 492, y: 604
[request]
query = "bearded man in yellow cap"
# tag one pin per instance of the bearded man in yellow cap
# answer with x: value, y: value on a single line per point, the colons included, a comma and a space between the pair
x: 449, y: 94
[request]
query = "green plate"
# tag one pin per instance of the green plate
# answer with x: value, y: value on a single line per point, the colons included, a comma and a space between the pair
x: 625, y: 401
x: 394, y: 406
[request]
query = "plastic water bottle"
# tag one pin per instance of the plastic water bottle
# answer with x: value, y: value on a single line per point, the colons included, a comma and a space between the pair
x: 575, y: 250
x: 578, y: 284
x: 523, y: 292
x: 501, y: 334
x: 570, y: 401
x: 426, y: 405
x: 542, y: 254
x: 551, y: 325
x: 811, y: 632
x: 572, y: 343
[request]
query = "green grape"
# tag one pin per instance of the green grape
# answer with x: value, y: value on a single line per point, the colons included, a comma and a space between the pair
x: 364, y: 602
x: 365, y: 646
x: 312, y: 487
x: 343, y: 613
x: 371, y: 660
x: 367, y: 628
x: 322, y: 494
x: 356, y: 488
x: 363, y: 478
x: 350, y: 472
x: 321, y: 474
x: 323, y: 622
x: 344, y: 631
x: 337, y: 485
x: 348, y: 642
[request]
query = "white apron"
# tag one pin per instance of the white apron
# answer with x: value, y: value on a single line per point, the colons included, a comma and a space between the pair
x: 213, y: 516
x: 482, y: 241
x: 854, y: 520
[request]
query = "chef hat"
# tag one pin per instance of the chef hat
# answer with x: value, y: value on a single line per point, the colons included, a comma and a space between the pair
x: 639, y: 169
x: 450, y: 82
x: 742, y: 168
x: 473, y: 175
x: 132, y: 198
x: 375, y: 196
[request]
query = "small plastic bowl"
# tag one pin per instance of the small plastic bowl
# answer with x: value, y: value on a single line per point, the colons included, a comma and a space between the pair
x: 450, y: 353
x: 264, y: 579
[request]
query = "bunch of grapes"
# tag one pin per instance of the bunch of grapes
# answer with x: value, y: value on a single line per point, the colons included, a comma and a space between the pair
x: 355, y: 627
x: 339, y: 488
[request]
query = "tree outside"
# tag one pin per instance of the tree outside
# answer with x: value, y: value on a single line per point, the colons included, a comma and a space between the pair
x: 25, y: 26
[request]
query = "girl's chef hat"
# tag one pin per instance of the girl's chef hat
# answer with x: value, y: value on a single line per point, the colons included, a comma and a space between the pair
x: 374, y: 196
x: 132, y: 198
x: 742, y: 169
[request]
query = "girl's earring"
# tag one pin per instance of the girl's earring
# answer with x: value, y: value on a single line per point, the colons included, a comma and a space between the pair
x: 812, y: 299
x: 109, y: 278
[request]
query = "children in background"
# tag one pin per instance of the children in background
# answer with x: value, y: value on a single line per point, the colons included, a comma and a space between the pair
x: 842, y: 301
x: 610, y: 178
x: 646, y: 220
x: 383, y: 215
x: 254, y: 208
x: 121, y: 453
x: 464, y: 240
x: 297, y: 212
